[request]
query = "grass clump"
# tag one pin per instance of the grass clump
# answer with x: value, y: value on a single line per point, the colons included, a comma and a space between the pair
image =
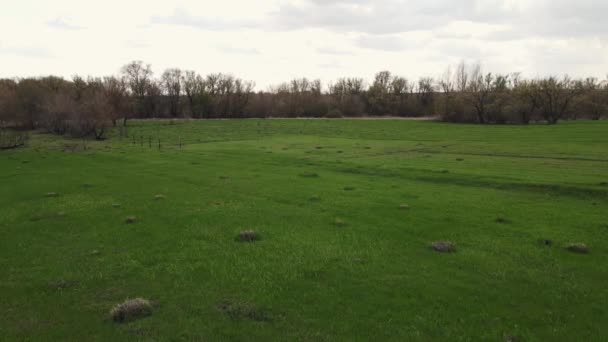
x: 404, y: 206
x: 130, y: 310
x: 52, y: 194
x: 116, y: 205
x: 315, y: 198
x: 247, y: 236
x: 502, y: 220
x: 339, y: 222
x: 578, y: 247
x: 443, y: 247
x: 349, y: 188
x: 159, y: 197
x: 61, y: 284
x: 243, y: 310
x: 130, y: 219
x: 309, y: 174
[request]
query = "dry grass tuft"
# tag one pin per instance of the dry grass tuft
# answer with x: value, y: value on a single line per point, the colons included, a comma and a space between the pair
x: 159, y: 197
x: 443, y: 247
x: 243, y: 310
x: 130, y: 219
x: 578, y: 247
x: 52, y: 194
x: 61, y: 284
x: 404, y: 206
x: 131, y: 309
x: 339, y: 222
x: 247, y: 236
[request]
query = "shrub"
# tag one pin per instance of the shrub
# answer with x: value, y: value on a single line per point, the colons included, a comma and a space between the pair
x: 334, y: 114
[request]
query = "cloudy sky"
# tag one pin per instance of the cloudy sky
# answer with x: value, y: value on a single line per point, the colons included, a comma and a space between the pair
x: 270, y: 41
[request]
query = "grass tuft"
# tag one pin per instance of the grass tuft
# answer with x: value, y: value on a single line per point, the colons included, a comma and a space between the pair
x: 339, y: 222
x: 578, y: 247
x: 443, y: 247
x: 315, y: 198
x: 243, y: 310
x: 130, y: 310
x: 52, y: 194
x: 247, y: 236
x: 349, y: 188
x: 61, y: 284
x: 130, y: 219
x: 404, y: 206
x: 309, y: 174
x: 159, y: 197
x: 502, y: 220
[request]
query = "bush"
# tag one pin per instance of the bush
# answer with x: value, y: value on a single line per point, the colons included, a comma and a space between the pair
x: 12, y: 138
x: 334, y: 114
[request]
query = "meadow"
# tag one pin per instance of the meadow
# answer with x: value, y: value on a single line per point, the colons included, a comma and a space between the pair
x: 345, y: 212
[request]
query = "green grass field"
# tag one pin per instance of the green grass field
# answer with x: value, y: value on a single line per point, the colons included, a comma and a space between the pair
x: 338, y: 258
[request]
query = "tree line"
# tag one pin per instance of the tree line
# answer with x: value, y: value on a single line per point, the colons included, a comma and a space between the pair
x: 90, y: 107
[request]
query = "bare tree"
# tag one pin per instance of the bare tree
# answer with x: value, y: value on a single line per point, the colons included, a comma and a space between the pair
x: 555, y: 97
x: 462, y: 77
x: 195, y: 90
x: 447, y: 86
x: 172, y: 85
x: 138, y: 77
x: 479, y: 89
x: 116, y: 92
x: 527, y: 99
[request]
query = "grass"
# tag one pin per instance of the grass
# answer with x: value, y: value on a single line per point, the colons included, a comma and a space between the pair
x: 333, y: 264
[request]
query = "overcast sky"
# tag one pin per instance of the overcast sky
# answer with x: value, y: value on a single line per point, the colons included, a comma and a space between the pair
x: 270, y: 41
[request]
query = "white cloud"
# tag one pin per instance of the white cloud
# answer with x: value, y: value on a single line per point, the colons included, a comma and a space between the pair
x: 62, y: 24
x: 270, y: 41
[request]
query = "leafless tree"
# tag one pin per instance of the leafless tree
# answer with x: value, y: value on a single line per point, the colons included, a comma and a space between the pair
x: 139, y: 78
x: 172, y: 85
x: 555, y: 97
